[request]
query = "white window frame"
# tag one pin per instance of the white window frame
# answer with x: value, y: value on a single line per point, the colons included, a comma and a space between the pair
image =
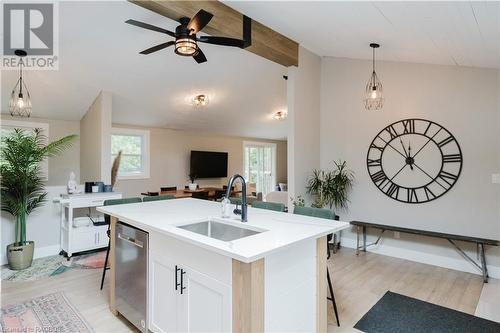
x: 262, y: 144
x: 145, y: 150
x: 44, y: 165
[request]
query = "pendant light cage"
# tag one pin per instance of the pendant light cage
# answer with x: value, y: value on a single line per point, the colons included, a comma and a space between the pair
x: 374, y: 92
x: 20, y: 98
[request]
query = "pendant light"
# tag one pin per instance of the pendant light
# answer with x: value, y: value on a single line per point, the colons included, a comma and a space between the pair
x: 20, y: 99
x: 374, y: 96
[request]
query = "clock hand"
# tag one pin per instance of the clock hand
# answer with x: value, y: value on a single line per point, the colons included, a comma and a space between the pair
x: 409, y: 156
x: 430, y: 139
x: 428, y: 175
x: 389, y: 144
x: 406, y: 153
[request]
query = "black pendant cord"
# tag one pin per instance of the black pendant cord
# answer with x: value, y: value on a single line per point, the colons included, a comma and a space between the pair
x: 21, y: 78
x: 373, y: 60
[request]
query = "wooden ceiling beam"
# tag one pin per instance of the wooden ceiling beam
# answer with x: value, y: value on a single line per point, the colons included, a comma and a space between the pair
x: 228, y: 22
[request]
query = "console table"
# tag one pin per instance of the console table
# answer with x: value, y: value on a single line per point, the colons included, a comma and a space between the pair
x: 480, y: 242
x: 84, y: 238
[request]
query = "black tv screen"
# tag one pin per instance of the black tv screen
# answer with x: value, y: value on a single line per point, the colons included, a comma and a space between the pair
x: 208, y: 164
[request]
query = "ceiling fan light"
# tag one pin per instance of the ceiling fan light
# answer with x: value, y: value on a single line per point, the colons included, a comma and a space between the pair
x: 186, y: 47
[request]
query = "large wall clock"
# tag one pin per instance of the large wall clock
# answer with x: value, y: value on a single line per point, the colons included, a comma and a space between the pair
x: 414, y: 160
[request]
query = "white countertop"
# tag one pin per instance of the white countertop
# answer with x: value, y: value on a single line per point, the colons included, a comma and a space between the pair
x: 282, y: 229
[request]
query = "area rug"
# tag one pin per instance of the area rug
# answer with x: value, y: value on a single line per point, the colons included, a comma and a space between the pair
x: 55, y: 265
x: 49, y: 313
x: 399, y: 313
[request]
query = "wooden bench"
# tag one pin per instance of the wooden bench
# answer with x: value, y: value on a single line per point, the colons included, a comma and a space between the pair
x: 480, y: 242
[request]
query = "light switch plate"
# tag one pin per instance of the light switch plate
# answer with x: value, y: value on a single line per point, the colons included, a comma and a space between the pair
x: 495, y: 178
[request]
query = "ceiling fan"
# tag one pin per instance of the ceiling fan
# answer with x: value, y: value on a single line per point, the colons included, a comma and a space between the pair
x: 186, y: 41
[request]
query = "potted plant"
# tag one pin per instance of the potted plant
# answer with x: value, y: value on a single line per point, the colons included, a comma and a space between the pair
x: 192, y: 178
x: 22, y: 185
x: 331, y: 188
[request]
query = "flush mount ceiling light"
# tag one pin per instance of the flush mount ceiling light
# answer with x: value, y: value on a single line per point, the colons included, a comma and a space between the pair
x: 280, y: 115
x: 374, y: 96
x: 200, y: 101
x: 20, y: 99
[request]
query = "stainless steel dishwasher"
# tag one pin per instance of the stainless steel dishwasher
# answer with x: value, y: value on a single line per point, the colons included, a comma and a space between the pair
x: 131, y: 274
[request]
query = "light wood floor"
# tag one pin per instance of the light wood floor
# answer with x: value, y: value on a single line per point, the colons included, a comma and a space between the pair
x: 359, y: 282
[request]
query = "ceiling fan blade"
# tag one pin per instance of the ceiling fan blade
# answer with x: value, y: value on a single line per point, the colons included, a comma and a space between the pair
x: 157, y: 47
x: 199, y: 21
x: 150, y: 27
x: 225, y: 41
x: 200, y: 56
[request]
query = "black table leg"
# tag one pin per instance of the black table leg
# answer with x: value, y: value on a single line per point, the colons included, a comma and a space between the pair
x: 364, y: 238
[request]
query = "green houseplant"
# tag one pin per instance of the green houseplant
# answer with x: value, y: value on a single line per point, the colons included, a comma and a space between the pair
x: 22, y: 185
x: 192, y: 178
x: 331, y: 188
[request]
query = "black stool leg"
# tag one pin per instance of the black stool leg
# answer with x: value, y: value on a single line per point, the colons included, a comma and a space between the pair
x: 105, y: 268
x: 332, y: 297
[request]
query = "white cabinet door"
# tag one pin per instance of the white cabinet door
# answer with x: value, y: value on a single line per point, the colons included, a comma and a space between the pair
x: 165, y: 308
x: 206, y: 303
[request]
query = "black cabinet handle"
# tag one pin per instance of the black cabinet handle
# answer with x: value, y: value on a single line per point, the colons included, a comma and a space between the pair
x: 177, y: 284
x: 182, y: 280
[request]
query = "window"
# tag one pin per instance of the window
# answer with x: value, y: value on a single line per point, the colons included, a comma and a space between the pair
x: 134, y: 145
x: 8, y: 127
x: 260, y: 165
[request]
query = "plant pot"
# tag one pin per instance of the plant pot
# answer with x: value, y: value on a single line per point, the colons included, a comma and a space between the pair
x: 20, y: 255
x: 193, y: 186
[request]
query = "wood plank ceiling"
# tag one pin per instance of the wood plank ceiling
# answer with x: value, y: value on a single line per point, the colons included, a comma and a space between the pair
x: 228, y: 22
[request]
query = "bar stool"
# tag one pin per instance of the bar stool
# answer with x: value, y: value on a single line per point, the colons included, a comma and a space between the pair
x: 325, y: 214
x: 107, y: 219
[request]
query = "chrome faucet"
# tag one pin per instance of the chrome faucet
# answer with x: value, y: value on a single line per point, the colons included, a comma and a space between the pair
x: 243, y: 211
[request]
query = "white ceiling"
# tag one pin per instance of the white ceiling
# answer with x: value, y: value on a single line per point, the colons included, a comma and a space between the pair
x: 98, y: 51
x: 450, y: 33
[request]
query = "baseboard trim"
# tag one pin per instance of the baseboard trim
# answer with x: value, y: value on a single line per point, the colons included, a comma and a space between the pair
x: 458, y: 264
x: 40, y: 252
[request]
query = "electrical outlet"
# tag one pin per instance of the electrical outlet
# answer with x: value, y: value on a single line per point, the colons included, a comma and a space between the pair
x: 397, y: 234
x: 495, y: 178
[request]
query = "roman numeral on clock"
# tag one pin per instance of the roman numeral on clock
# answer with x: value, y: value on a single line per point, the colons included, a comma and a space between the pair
x: 428, y: 193
x: 379, y: 177
x: 452, y: 158
x: 393, y: 191
x: 409, y: 126
x: 377, y: 147
x: 447, y: 177
x: 445, y: 141
x: 375, y: 163
x: 392, y: 131
x: 411, y: 195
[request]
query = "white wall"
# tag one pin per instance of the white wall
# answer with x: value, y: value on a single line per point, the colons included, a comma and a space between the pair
x: 95, y: 132
x: 463, y: 100
x: 60, y: 166
x: 169, y: 159
x: 42, y: 227
x: 303, y: 94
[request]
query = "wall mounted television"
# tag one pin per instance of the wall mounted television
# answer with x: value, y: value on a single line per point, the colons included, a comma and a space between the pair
x: 208, y: 164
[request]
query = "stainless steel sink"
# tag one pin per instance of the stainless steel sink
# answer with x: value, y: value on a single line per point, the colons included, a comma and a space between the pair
x: 221, y: 231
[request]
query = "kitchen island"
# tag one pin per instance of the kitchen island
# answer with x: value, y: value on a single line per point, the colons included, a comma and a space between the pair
x: 212, y: 274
